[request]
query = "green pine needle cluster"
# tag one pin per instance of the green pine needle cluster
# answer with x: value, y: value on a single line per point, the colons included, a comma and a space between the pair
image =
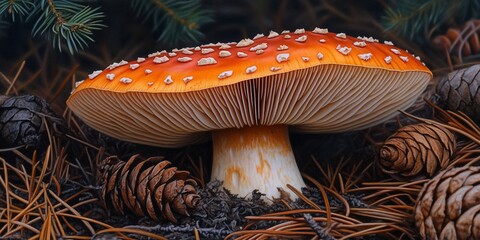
x: 71, y: 24
x: 175, y: 20
x: 15, y: 8
x: 417, y: 19
x: 66, y: 23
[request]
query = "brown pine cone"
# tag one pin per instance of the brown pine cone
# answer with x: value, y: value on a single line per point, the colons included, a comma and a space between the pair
x: 460, y: 91
x: 147, y: 188
x: 21, y: 121
x: 448, y: 206
x: 462, y: 41
x: 417, y: 151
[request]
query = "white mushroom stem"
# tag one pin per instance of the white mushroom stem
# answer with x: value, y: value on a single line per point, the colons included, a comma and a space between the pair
x: 258, y: 157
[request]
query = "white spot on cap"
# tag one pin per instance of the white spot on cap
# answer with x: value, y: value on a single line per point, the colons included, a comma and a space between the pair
x: 301, y: 38
x: 161, y: 59
x: 341, y: 35
x: 299, y: 31
x: 209, y: 45
x: 287, y: 36
x: 225, y: 74
x: 94, y: 74
x: 388, y: 43
x: 114, y: 65
x: 197, y: 48
x: 110, y: 76
x: 168, y: 80
x: 259, y: 47
x: 245, y: 42
x: 285, y: 31
x: 126, y: 80
x: 172, y: 54
x: 282, y: 47
x: 206, y: 61
x: 148, y: 71
x: 251, y: 69
x: 368, y: 39
x: 77, y: 83
x: 360, y: 44
x: 283, y: 57
x: 404, y: 58
x: 155, y: 54
x: 396, y: 51
x: 259, y: 51
x: 274, y: 69
x: 320, y: 55
x: 344, y: 50
x: 272, y: 34
x: 418, y: 58
x: 134, y: 66
x: 365, y: 56
x: 241, y: 54
x: 184, y: 59
x: 305, y: 59
x: 188, y: 79
x: 175, y: 50
x: 140, y: 59
x: 187, y: 52
x: 224, y: 53
x: 207, y: 50
x: 150, y: 84
x: 224, y: 46
x: 320, y: 30
x: 322, y: 40
x: 388, y: 59
x: 260, y: 35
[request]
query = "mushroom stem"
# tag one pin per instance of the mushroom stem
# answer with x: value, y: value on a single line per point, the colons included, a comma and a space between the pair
x: 258, y: 157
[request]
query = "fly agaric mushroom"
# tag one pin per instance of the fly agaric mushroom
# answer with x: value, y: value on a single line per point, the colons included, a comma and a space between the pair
x: 247, y: 95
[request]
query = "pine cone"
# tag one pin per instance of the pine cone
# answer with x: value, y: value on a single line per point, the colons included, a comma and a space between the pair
x: 448, y: 206
x: 417, y: 151
x: 21, y: 121
x: 460, y: 91
x: 147, y: 188
x: 460, y: 42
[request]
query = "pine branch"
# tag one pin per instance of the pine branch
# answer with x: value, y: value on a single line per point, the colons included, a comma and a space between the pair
x: 415, y: 19
x: 66, y: 23
x: 177, y: 20
x: 15, y: 8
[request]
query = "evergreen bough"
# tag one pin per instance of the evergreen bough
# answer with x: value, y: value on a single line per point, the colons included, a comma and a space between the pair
x: 71, y: 23
x: 177, y: 20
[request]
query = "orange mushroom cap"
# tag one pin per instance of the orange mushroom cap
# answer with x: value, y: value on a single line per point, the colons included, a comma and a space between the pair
x: 316, y: 81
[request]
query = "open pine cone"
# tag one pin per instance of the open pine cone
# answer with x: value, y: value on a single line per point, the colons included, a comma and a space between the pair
x: 147, y: 188
x: 448, y: 206
x: 417, y: 151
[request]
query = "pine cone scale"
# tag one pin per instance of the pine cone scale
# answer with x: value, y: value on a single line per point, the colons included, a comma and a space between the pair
x: 464, y: 223
x: 472, y: 197
x: 455, y: 202
x: 150, y: 207
x: 180, y: 206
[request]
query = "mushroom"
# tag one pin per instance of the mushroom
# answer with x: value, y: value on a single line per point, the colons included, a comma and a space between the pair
x: 247, y: 95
